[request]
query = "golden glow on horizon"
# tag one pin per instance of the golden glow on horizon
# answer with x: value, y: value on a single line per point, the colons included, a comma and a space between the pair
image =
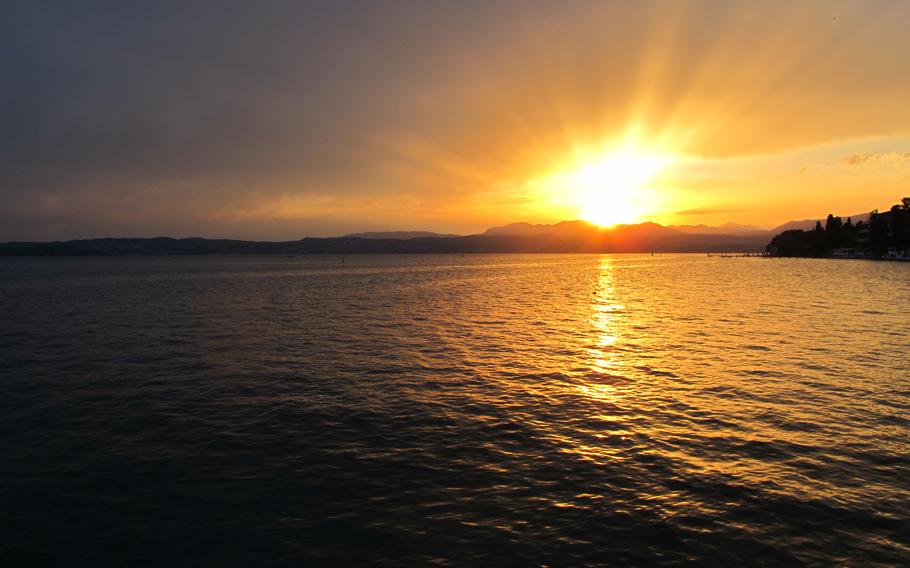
x: 680, y: 116
x: 584, y: 133
x: 613, y: 188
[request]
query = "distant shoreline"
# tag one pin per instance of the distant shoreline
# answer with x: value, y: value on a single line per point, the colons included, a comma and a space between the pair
x: 869, y: 258
x: 659, y: 242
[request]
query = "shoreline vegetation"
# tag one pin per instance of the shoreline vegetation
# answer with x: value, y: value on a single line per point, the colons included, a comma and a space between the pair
x: 883, y: 236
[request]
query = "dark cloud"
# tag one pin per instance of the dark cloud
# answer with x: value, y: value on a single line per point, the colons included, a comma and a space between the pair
x: 162, y: 91
x: 108, y: 103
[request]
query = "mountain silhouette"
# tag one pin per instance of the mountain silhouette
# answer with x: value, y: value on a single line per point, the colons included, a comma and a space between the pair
x: 809, y: 224
x: 399, y: 235
x: 725, y: 229
x: 568, y: 236
x: 563, y: 228
x: 565, y: 236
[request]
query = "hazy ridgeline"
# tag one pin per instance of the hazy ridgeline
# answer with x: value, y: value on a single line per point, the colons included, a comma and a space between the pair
x: 580, y: 237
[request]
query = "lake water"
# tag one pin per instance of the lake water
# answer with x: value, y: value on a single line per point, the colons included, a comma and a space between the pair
x: 560, y: 410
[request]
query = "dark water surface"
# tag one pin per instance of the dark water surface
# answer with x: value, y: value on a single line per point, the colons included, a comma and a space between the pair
x: 489, y: 410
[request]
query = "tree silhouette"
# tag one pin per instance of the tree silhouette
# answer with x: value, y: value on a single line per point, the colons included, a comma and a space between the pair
x: 884, y: 233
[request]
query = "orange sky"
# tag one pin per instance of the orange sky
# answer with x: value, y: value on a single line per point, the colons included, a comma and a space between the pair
x: 762, y: 105
x: 454, y: 119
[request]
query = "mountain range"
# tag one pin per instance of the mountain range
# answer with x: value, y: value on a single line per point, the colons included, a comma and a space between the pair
x: 566, y: 236
x: 577, y: 228
x: 399, y: 235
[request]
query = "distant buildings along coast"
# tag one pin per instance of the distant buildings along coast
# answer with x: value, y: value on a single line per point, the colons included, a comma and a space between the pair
x: 886, y: 236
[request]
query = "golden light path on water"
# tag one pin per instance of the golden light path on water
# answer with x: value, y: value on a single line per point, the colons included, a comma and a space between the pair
x: 604, y: 318
x: 668, y: 361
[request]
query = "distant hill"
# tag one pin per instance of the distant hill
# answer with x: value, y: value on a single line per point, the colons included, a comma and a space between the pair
x: 725, y: 229
x: 566, y: 236
x: 563, y: 228
x: 400, y: 235
x: 567, y: 228
x: 808, y: 224
x: 570, y: 236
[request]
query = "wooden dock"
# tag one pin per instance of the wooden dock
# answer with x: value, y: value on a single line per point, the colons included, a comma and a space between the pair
x: 740, y: 254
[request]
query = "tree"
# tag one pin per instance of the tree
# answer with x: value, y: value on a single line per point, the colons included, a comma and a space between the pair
x: 833, y: 231
x: 883, y: 231
x: 900, y: 227
x: 879, y: 227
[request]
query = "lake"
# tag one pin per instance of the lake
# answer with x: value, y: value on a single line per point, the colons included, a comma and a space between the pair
x: 560, y: 410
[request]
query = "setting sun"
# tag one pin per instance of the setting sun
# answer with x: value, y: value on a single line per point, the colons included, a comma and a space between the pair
x: 612, y: 189
x: 615, y: 190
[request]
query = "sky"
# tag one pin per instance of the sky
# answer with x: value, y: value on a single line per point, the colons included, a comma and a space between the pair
x: 279, y: 120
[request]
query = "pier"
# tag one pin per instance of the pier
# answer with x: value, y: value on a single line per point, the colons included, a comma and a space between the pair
x: 740, y: 254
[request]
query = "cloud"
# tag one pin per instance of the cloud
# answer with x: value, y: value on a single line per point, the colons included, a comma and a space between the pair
x: 153, y: 116
x: 813, y: 169
x: 870, y: 158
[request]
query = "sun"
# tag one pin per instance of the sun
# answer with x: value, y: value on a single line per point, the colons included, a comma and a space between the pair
x: 606, y: 187
x: 615, y: 189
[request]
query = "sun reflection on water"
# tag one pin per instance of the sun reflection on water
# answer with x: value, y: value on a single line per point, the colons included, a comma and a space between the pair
x: 604, y: 319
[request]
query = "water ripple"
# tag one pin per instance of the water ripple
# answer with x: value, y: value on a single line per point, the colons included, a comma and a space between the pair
x: 529, y: 410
